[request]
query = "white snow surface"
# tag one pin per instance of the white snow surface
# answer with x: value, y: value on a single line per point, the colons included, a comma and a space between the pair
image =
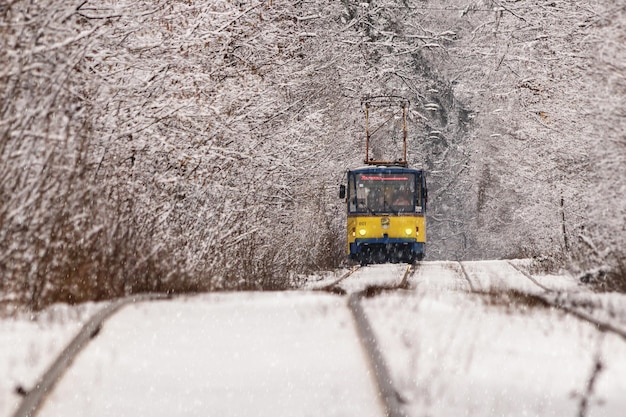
x: 450, y: 351
x: 264, y: 354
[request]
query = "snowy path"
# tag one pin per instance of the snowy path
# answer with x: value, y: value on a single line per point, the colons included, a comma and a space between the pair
x: 462, y: 339
x: 279, y: 354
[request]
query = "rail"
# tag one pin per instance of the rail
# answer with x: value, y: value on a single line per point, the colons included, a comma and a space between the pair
x: 553, y: 302
x: 35, y: 397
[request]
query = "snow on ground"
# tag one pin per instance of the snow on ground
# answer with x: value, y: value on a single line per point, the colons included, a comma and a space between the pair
x: 497, y: 276
x: 450, y: 352
x: 29, y: 343
x: 455, y: 354
x: 605, y: 307
x: 608, y: 307
x: 560, y: 283
x: 262, y: 354
x: 374, y: 275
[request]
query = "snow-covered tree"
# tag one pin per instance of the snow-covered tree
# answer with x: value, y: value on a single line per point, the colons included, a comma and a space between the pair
x: 183, y: 146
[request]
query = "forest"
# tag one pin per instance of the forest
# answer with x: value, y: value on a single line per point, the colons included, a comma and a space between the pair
x: 181, y: 146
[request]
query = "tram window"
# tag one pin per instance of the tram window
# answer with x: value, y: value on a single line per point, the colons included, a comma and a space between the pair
x: 361, y: 198
x: 386, y: 192
x: 352, y: 194
x: 379, y: 192
x: 376, y: 200
x: 402, y: 197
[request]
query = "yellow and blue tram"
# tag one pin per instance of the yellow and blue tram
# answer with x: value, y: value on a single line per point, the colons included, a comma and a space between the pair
x: 386, y: 208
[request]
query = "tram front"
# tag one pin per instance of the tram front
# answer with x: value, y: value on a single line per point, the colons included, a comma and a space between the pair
x: 386, y: 207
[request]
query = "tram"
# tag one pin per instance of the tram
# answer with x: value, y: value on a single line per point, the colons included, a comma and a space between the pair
x: 386, y: 207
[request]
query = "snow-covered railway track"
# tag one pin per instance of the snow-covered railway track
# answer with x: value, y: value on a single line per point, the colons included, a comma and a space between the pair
x: 378, y: 341
x: 34, y: 398
x: 370, y: 279
x: 267, y: 354
x: 359, y: 283
x: 552, y: 298
x: 532, y: 289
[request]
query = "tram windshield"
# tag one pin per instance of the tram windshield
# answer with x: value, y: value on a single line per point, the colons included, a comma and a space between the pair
x: 377, y: 193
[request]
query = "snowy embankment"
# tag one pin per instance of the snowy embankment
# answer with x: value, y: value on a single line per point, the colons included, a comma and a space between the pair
x: 460, y: 353
x: 462, y: 339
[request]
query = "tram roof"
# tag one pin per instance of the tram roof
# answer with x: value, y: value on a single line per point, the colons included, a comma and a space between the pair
x: 384, y: 168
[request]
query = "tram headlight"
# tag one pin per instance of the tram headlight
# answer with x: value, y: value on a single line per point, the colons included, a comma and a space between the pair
x: 408, y: 231
x: 362, y: 232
